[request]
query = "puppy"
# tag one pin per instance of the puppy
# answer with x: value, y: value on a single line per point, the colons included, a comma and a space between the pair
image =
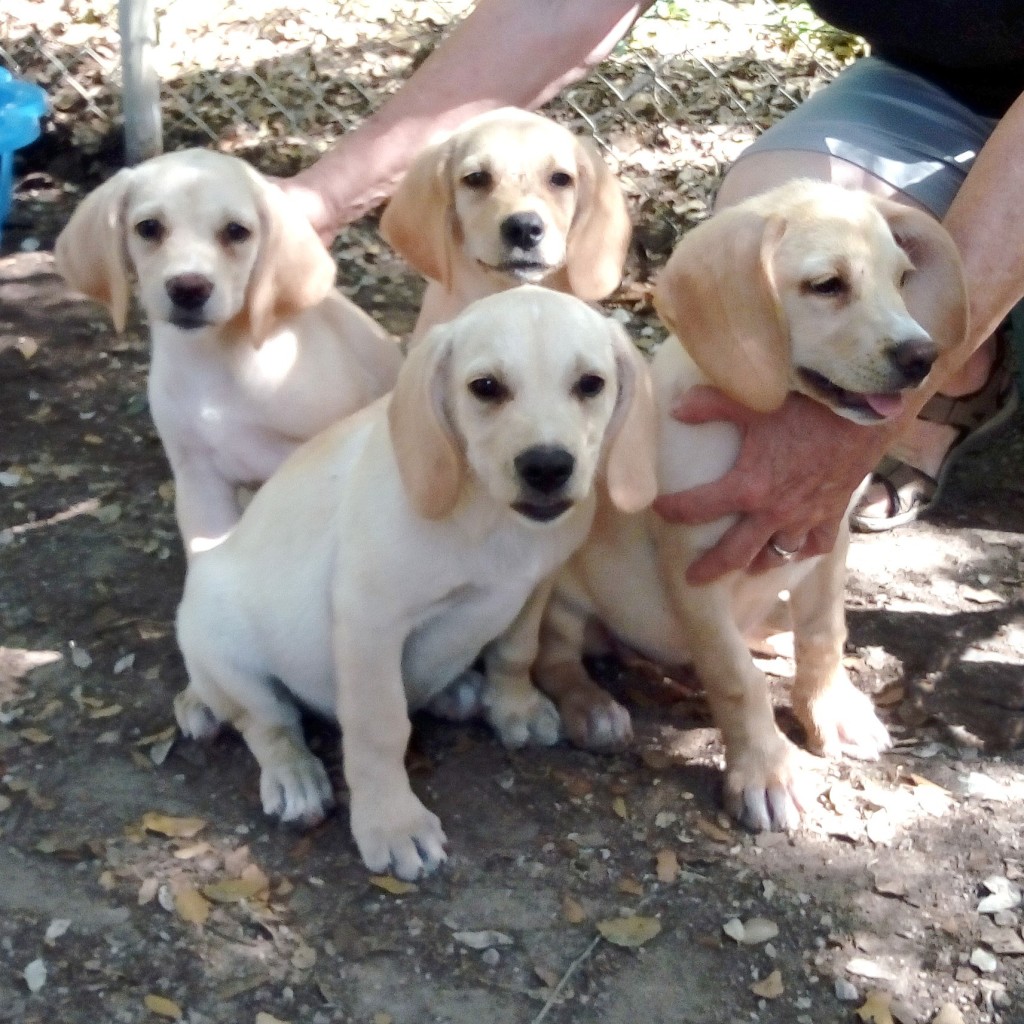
x: 387, y: 553
x: 807, y: 288
x: 509, y: 198
x: 253, y: 350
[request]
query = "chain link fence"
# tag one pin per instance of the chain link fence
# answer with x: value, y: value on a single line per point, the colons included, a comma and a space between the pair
x: 676, y: 101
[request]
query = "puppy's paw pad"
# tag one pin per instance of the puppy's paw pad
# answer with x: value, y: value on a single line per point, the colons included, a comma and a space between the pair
x: 194, y: 717
x: 297, y: 789
x: 462, y: 699
x: 407, y: 840
x: 534, y: 721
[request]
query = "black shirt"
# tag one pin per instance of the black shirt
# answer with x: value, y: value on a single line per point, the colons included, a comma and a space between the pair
x: 974, y: 49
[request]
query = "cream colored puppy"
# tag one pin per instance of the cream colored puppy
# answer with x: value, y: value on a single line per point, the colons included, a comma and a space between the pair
x: 807, y: 288
x: 253, y: 349
x: 509, y: 198
x: 373, y: 568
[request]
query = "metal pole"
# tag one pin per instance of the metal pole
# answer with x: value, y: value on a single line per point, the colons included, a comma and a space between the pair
x: 140, y: 88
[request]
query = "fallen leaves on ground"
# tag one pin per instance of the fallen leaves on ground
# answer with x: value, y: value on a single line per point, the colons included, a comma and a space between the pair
x: 629, y: 931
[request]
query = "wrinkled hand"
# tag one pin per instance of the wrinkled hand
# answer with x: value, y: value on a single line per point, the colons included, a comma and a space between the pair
x: 792, y: 481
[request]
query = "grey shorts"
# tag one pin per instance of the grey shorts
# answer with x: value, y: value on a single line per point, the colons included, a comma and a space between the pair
x: 892, y: 123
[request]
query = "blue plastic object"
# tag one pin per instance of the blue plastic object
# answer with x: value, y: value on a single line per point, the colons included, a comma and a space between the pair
x: 22, y: 104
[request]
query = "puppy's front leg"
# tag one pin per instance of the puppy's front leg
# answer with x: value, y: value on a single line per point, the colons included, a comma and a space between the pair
x: 517, y: 711
x: 838, y: 718
x: 392, y: 828
x: 762, y: 785
x: 205, y: 504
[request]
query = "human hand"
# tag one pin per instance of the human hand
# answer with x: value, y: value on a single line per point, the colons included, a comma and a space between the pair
x: 790, y: 486
x: 310, y: 203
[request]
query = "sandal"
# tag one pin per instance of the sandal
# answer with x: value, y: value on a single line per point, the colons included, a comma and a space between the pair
x: 910, y: 491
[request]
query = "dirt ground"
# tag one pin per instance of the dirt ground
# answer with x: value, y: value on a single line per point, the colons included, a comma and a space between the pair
x: 140, y: 881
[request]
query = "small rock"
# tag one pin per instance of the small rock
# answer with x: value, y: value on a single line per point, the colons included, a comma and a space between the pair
x: 35, y: 975
x: 1003, y: 895
x: 491, y: 957
x: 846, y: 991
x: 983, y: 960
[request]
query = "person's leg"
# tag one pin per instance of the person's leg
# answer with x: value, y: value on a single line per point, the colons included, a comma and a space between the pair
x: 880, y: 129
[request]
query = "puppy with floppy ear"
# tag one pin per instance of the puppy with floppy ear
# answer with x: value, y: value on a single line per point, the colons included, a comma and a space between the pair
x: 844, y: 297
x: 253, y: 351
x: 388, y: 552
x: 508, y: 198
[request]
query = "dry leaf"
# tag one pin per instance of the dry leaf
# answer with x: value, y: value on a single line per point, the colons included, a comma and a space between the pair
x: 190, y: 905
x: 876, y: 1009
x: 948, y: 1014
x: 572, y: 910
x: 713, y: 831
x: 36, y: 736
x: 392, y: 885
x: 629, y: 931
x: 482, y: 939
x: 383, y: 1018
x: 162, y: 1006
x: 630, y: 886
x: 252, y: 883
x: 619, y: 807
x: 770, y: 987
x: 174, y: 828
x: 666, y: 866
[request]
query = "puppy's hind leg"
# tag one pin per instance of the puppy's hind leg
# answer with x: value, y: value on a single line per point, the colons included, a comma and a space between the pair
x: 293, y: 783
x: 838, y: 718
x: 591, y: 717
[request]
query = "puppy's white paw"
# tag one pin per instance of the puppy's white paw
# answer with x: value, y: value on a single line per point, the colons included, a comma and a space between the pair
x: 398, y: 834
x: 461, y: 699
x: 595, y: 721
x: 842, y: 721
x: 195, y: 719
x: 763, y: 785
x: 522, y: 717
x: 296, y: 788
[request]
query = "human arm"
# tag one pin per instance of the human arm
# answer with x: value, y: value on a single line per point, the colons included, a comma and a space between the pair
x: 798, y: 466
x: 505, y: 53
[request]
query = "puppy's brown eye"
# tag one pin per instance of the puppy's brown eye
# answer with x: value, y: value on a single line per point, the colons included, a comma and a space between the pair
x: 150, y: 229
x: 477, y: 179
x: 590, y: 385
x: 561, y: 179
x: 233, y: 233
x: 489, y: 389
x: 834, y: 285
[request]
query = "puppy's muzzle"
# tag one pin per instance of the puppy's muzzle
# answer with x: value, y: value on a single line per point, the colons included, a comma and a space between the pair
x: 912, y: 359
x: 188, y: 293
x: 544, y: 470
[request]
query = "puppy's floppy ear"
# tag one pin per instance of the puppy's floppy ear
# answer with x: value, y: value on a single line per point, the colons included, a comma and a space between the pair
x: 631, y: 439
x: 293, y: 270
x: 599, y: 236
x: 430, y: 460
x: 717, y: 294
x: 935, y: 292
x: 90, y: 251
x: 419, y: 222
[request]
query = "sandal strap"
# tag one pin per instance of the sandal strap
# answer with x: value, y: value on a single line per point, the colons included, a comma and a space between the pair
x: 968, y: 412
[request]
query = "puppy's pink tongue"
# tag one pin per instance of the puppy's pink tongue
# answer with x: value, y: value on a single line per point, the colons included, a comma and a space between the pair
x: 886, y: 404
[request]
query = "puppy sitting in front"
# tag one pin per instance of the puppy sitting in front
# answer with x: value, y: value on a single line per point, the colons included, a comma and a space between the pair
x: 373, y: 568
x: 807, y: 288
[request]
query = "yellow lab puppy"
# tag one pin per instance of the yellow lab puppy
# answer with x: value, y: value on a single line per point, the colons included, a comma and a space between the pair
x: 253, y: 349
x: 509, y: 198
x: 370, y: 572
x: 807, y: 288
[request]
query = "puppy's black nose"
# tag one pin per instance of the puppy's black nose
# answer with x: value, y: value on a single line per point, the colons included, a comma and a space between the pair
x: 544, y: 467
x: 914, y: 358
x: 189, y: 291
x: 522, y: 230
